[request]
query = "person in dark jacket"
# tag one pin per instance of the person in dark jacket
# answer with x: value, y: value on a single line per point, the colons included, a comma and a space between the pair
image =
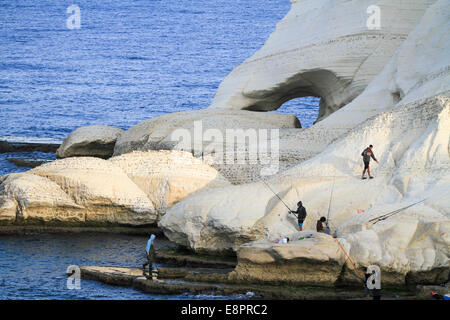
x: 301, y: 214
x: 150, y: 254
x: 367, y: 154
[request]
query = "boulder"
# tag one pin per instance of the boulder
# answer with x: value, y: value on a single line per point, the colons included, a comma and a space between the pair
x: 75, y: 191
x: 309, y: 258
x: 90, y: 141
x: 30, y: 198
x: 133, y: 189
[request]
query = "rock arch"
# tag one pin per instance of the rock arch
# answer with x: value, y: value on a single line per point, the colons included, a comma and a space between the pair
x: 332, y: 91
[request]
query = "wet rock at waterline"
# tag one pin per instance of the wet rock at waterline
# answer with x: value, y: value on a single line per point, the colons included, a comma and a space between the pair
x: 309, y: 258
x: 28, y: 144
x: 28, y: 162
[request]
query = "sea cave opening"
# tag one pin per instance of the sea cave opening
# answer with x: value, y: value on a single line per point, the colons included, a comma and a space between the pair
x: 306, y: 109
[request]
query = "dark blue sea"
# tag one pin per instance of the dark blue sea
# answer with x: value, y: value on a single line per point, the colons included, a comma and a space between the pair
x: 128, y: 62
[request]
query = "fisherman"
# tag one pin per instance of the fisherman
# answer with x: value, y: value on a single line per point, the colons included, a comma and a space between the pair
x: 367, y: 154
x: 150, y: 253
x: 322, y: 226
x: 301, y: 214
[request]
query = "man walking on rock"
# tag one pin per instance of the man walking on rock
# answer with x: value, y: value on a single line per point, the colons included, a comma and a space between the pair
x: 150, y: 254
x: 367, y: 154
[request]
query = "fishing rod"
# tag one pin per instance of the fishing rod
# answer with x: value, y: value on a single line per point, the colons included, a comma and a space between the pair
x: 331, y: 197
x: 390, y: 214
x: 276, y: 195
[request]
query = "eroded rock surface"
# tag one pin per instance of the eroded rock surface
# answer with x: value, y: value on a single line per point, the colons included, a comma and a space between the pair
x: 90, y: 141
x: 166, y: 177
x: 320, y: 48
x: 133, y: 189
x: 309, y: 258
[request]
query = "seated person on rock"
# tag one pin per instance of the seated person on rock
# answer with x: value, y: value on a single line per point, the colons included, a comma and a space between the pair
x: 322, y: 226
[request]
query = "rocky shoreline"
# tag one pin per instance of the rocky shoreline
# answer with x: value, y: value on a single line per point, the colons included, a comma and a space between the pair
x: 198, y: 276
x: 164, y: 171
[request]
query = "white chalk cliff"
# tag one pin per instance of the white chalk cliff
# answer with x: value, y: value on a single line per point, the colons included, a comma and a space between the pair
x: 320, y: 48
x: 404, y: 112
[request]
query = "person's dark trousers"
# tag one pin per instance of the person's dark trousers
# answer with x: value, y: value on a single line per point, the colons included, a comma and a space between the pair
x: 149, y: 263
x: 376, y: 294
x: 366, y: 165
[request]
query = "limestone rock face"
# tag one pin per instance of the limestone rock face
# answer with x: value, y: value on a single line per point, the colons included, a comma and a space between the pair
x: 320, y: 48
x: 166, y: 177
x: 409, y: 128
x: 133, y: 189
x: 166, y: 132
x: 90, y: 141
x: 75, y: 191
x: 30, y: 198
x: 206, y: 133
x: 101, y: 186
x: 316, y: 260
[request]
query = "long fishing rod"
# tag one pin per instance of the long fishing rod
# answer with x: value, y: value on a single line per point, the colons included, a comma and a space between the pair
x: 276, y: 195
x: 331, y: 197
x: 390, y: 214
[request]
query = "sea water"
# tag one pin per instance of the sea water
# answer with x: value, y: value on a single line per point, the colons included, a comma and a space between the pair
x: 129, y: 61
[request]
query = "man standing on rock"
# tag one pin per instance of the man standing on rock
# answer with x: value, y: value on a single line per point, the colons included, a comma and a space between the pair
x: 150, y: 253
x: 301, y: 214
x: 367, y: 154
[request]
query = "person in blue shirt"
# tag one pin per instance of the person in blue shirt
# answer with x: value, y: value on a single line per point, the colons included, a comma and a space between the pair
x: 150, y: 253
